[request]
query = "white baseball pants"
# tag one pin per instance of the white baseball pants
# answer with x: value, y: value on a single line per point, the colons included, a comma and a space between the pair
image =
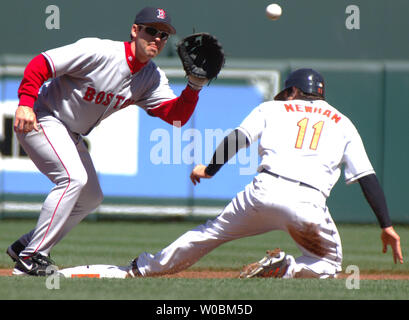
x: 267, y: 203
x: 63, y: 157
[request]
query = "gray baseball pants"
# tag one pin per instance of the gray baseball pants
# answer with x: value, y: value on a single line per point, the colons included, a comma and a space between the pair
x: 63, y: 157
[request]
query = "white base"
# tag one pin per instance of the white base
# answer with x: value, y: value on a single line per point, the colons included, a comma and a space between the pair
x: 96, y: 271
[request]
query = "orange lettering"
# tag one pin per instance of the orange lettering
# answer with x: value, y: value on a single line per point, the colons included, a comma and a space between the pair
x: 327, y: 113
x: 288, y: 107
x: 336, y: 118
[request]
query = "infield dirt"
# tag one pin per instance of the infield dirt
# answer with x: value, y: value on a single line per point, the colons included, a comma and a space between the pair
x: 210, y: 274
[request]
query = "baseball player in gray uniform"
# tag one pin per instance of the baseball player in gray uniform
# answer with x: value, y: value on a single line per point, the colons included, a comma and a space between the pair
x: 304, y: 142
x: 90, y: 80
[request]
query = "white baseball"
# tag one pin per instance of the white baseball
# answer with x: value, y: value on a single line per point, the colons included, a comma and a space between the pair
x: 273, y: 11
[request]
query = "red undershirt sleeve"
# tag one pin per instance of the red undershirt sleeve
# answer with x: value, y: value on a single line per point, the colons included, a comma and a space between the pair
x: 35, y: 74
x: 179, y: 109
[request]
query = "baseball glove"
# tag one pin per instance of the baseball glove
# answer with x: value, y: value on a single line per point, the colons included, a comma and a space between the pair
x: 202, y: 56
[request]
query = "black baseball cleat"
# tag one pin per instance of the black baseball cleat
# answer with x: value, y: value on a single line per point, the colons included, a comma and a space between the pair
x: 14, y: 250
x: 35, y: 265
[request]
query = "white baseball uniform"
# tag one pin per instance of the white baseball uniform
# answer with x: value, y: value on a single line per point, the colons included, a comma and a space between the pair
x: 91, y: 80
x: 302, y: 145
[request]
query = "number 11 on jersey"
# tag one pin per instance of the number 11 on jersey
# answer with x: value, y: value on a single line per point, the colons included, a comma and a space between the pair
x: 302, y: 124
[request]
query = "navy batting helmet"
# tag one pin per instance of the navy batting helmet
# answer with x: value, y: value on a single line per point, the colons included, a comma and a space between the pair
x: 307, y: 80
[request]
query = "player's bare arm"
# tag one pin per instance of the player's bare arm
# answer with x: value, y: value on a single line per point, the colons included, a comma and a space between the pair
x: 198, y: 173
x: 391, y: 238
x: 375, y: 196
x: 25, y: 120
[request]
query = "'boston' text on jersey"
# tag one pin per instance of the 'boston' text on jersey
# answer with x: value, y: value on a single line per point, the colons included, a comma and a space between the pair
x: 106, y: 98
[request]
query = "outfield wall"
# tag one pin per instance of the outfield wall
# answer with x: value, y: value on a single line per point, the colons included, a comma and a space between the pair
x: 318, y: 29
x: 357, y: 45
x: 146, y: 163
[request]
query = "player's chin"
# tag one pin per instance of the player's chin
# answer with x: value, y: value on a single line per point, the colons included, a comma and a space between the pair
x: 154, y: 54
x: 153, y: 51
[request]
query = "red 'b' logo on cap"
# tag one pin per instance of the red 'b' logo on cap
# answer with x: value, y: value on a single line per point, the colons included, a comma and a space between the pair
x: 161, y: 14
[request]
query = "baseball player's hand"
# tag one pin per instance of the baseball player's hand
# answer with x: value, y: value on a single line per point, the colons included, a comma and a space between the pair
x: 197, y: 173
x: 390, y: 237
x: 25, y: 120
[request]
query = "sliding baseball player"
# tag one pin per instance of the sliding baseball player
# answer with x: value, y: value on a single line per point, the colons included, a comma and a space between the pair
x: 304, y: 143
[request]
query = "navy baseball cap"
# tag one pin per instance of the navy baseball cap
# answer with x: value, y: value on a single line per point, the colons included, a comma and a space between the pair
x: 154, y: 15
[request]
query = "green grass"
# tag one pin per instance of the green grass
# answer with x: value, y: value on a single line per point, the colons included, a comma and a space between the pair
x: 201, y: 289
x: 117, y: 243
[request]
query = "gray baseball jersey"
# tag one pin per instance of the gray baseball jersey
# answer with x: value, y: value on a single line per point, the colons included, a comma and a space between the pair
x: 92, y: 80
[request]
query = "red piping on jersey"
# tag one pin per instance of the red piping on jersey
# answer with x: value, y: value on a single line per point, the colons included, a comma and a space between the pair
x: 35, y: 74
x: 54, y: 72
x: 134, y: 64
x: 62, y: 196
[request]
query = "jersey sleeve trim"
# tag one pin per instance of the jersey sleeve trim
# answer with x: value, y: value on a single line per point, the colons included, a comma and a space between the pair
x: 246, y: 133
x: 359, y: 176
x: 50, y: 63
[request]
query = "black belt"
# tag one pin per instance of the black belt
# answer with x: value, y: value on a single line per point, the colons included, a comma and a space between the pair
x: 277, y: 176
